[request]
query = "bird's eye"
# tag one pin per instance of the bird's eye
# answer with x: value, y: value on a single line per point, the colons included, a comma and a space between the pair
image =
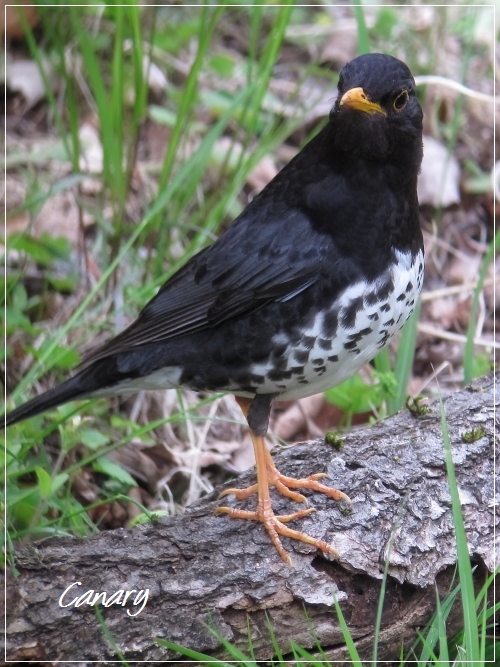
x: 401, y: 100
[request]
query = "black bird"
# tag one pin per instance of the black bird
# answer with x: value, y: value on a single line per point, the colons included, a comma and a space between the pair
x: 315, y: 276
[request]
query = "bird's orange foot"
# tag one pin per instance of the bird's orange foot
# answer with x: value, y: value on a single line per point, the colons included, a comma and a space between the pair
x: 275, y: 526
x: 284, y: 485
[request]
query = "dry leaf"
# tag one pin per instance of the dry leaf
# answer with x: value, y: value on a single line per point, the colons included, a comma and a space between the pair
x: 446, y: 311
x: 297, y: 417
x: 137, y: 463
x: 23, y: 77
x: 244, y: 456
x: 91, y: 158
x: 17, y: 223
x: 264, y: 172
x: 59, y: 217
x: 438, y: 182
x: 10, y: 25
x: 157, y: 80
x: 341, y: 46
x: 15, y: 192
x: 461, y: 272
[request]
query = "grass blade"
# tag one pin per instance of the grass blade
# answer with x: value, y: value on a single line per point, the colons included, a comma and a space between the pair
x: 107, y: 633
x: 351, y: 646
x: 464, y: 565
x: 159, y: 204
x: 310, y: 660
x: 432, y: 629
x: 189, y: 653
x: 444, y: 657
x: 363, y: 37
x: 404, y: 361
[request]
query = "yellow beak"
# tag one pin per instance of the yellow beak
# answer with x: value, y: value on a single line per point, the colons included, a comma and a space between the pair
x: 356, y: 99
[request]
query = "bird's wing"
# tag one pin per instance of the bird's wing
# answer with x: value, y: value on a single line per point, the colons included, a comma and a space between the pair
x: 250, y: 265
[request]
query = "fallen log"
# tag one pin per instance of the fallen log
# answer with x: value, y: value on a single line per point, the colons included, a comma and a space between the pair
x: 201, y: 570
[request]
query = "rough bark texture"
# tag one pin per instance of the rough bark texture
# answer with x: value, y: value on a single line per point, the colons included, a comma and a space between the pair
x: 204, y: 569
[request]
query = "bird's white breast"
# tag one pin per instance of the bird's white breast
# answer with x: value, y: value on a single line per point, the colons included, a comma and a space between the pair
x: 379, y: 321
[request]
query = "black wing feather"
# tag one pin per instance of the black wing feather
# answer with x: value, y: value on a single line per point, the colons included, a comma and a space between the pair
x: 252, y: 263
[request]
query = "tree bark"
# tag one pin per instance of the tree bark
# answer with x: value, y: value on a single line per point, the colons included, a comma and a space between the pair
x: 204, y: 570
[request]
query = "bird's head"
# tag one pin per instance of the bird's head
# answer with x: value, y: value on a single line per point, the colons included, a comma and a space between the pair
x: 376, y: 113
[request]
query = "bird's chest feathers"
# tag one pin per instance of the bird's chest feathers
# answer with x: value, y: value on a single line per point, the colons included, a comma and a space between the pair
x: 346, y: 333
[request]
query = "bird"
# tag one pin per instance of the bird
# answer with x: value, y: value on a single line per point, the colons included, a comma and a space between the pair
x: 315, y: 276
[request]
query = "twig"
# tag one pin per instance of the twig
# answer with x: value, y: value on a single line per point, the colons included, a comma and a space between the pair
x: 457, y: 338
x: 431, y: 79
x: 453, y: 289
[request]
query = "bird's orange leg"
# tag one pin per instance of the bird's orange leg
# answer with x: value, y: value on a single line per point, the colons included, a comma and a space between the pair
x: 275, y: 524
x: 282, y: 483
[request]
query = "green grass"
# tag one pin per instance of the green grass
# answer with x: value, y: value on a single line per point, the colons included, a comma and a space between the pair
x: 471, y: 639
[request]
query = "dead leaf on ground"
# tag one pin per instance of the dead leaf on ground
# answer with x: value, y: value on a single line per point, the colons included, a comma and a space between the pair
x: 14, y: 194
x: 137, y: 463
x: 341, y: 45
x: 10, y: 24
x: 84, y: 487
x: 264, y: 172
x: 461, y: 272
x: 435, y: 351
x: 298, y: 417
x: 91, y: 158
x: 244, y: 456
x: 17, y: 223
x: 59, y: 217
x: 450, y: 311
x: 438, y: 182
x: 23, y: 77
x: 157, y: 79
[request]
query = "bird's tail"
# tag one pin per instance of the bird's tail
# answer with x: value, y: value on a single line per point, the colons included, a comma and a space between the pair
x: 82, y: 385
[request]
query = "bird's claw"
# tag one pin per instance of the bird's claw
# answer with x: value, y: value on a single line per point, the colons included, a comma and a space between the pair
x: 241, y: 494
x: 274, y: 525
x: 284, y: 485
